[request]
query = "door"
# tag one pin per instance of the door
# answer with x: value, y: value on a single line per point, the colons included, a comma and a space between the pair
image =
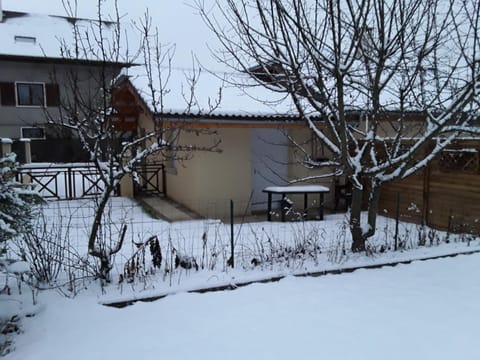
x: 269, y: 163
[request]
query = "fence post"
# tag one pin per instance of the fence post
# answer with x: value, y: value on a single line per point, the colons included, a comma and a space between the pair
x: 6, y: 146
x: 231, y: 234
x: 397, y: 220
x: 164, y: 180
x: 28, y: 150
x: 70, y: 193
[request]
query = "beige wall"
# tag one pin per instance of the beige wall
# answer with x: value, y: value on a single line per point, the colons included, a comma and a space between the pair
x: 206, y: 182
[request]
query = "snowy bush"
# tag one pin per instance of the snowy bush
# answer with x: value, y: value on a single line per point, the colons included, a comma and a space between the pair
x: 16, y: 213
x: 16, y: 202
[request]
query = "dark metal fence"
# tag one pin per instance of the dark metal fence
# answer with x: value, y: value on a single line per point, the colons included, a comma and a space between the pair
x: 82, y: 180
x: 62, y: 181
x: 151, y: 179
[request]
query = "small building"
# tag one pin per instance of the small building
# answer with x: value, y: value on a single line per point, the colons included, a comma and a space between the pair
x: 223, y: 156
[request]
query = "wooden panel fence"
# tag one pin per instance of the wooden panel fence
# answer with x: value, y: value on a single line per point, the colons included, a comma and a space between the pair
x: 443, y: 197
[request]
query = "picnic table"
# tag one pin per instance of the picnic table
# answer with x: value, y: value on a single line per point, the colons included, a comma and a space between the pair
x: 296, y: 189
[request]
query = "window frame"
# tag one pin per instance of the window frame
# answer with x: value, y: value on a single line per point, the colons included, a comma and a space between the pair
x: 33, y: 127
x: 44, y: 93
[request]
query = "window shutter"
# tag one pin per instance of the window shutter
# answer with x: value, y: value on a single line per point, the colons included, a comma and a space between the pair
x: 7, y: 94
x: 53, y: 94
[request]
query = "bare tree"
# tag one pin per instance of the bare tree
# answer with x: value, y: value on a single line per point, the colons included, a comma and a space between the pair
x: 394, y: 81
x: 89, y: 111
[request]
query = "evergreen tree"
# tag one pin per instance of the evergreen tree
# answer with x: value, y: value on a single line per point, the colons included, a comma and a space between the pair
x: 16, y: 202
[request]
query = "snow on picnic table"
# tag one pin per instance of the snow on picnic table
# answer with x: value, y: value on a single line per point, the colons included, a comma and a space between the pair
x: 297, y: 189
x: 425, y: 310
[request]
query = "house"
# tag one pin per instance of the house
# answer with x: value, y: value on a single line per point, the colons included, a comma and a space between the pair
x: 36, y: 82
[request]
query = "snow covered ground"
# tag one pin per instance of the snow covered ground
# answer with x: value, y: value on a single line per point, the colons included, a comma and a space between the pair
x: 262, y: 250
x: 425, y: 310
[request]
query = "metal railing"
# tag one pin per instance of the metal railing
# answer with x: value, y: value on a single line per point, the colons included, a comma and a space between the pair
x: 151, y: 179
x: 62, y: 181
x: 82, y: 180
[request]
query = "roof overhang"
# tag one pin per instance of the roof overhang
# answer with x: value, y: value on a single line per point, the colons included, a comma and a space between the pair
x: 63, y: 61
x: 231, y: 120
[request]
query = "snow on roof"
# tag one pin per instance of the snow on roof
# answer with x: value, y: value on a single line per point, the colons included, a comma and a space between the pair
x: 38, y: 35
x: 41, y: 36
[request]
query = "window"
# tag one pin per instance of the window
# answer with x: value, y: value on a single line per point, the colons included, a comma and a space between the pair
x: 23, y: 93
x: 30, y: 94
x: 25, y: 39
x: 33, y: 133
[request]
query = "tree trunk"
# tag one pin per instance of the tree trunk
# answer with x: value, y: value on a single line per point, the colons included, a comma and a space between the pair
x: 101, y: 254
x: 360, y: 234
x: 358, y: 240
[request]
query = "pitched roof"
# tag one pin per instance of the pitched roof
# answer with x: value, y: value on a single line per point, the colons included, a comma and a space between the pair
x: 39, y: 38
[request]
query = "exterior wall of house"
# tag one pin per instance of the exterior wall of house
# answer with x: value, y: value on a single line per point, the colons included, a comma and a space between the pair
x: 13, y: 117
x: 206, y: 182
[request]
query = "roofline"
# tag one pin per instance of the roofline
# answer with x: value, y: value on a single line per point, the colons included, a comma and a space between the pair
x: 226, y: 117
x: 356, y: 114
x: 63, y: 61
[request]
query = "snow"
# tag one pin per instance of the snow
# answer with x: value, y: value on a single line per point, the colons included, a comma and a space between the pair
x: 297, y: 189
x: 44, y: 43
x: 19, y: 267
x: 426, y: 310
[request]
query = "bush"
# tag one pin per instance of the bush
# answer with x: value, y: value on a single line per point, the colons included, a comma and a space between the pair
x: 16, y: 202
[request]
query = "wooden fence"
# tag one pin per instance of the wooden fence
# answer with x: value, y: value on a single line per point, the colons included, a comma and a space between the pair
x: 445, y: 195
